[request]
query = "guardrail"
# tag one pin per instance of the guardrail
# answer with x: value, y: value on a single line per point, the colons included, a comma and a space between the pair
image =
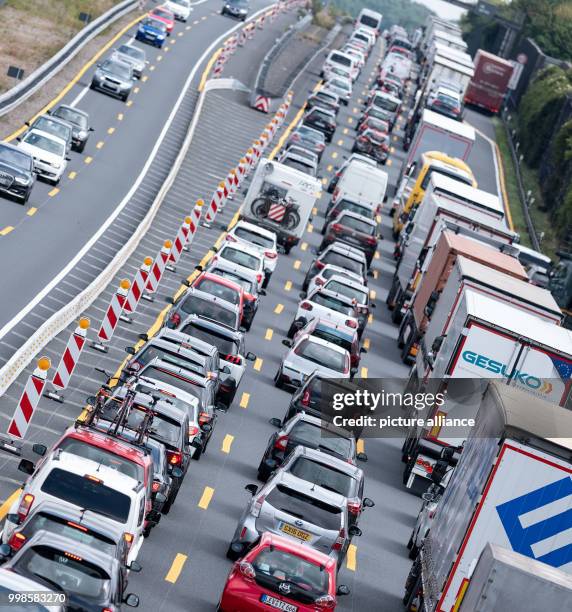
x: 15, y: 96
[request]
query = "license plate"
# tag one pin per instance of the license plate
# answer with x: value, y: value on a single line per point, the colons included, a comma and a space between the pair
x: 274, y: 602
x: 300, y: 534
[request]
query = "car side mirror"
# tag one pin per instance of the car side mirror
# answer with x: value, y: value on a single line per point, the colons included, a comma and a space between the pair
x: 251, y: 488
x: 275, y: 421
x: 207, y: 427
x: 131, y: 600
x: 368, y: 503
x: 250, y: 356
x: 281, y: 250
x: 19, y: 139
x: 68, y: 158
x: 5, y: 551
x: 39, y: 449
x: 361, y: 457
x: 135, y: 567
x: 373, y: 305
x: 133, y: 78
x: 26, y: 466
x: 176, y: 472
x: 363, y: 350
x: 98, y: 65
x: 343, y: 589
x: 428, y: 497
x: 143, y: 337
x: 91, y: 129
x: 262, y: 292
x: 161, y: 498
x: 27, y: 123
x: 170, y: 300
x: 287, y: 343
x: 130, y: 349
x: 91, y: 400
x: 354, y: 531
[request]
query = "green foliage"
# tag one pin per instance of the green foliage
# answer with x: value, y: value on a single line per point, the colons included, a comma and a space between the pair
x: 403, y: 12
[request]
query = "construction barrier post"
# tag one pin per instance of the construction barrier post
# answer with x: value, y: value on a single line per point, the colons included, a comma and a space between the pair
x: 137, y: 289
x: 178, y: 244
x: 217, y: 201
x: 195, y: 220
x: 157, y: 270
x: 112, y: 316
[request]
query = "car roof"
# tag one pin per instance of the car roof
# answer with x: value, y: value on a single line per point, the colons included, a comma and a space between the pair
x: 176, y: 347
x: 167, y: 389
x: 46, y: 135
x: 343, y: 249
x: 310, y: 489
x: 207, y: 323
x: 209, y: 297
x: 230, y: 266
x: 195, y: 344
x: 307, y: 128
x: 243, y: 247
x: 342, y: 271
x: 346, y: 281
x: 300, y: 158
x: 221, y: 280
x: 46, y: 117
x: 165, y: 365
x: 299, y: 550
x: 321, y: 342
x: 320, y: 109
x: 328, y: 460
x: 328, y: 94
x: 255, y: 228
x: 72, y: 109
x: 330, y: 293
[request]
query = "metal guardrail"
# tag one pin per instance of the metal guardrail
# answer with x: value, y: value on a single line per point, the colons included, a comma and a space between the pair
x: 15, y: 96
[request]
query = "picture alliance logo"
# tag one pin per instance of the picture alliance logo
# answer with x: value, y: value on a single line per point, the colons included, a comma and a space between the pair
x: 490, y: 68
x: 496, y: 367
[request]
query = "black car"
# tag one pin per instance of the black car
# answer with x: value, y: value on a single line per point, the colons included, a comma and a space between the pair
x: 17, y: 176
x: 324, y: 99
x: 308, y: 138
x: 355, y: 230
x: 235, y: 8
x: 322, y: 120
x: 92, y: 579
x: 79, y: 121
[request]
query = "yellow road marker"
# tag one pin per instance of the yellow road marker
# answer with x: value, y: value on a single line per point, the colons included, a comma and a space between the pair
x: 136, y: 90
x: 366, y: 344
x: 325, y: 180
x: 195, y: 22
x: 378, y: 218
x: 181, y: 33
x: 288, y: 286
x: 346, y: 130
x: 370, y: 318
x: 227, y: 443
x: 54, y: 192
x: 129, y: 103
x: 351, y: 561
x: 99, y: 145
x: 151, y: 68
x: 334, y: 155
x: 258, y: 364
x: 72, y: 175
x: 279, y: 308
x: 350, y: 120
x: 372, y: 294
x: 310, y: 228
x: 389, y: 162
x: 208, y: 67
x: 244, y: 400
x: 376, y: 255
x: 6, y: 230
x: 341, y: 142
x: 206, y: 498
x: 364, y: 372
x: 120, y: 117
x: 359, y: 101
x: 304, y: 246
x: 314, y: 211
x: 110, y: 130
x: 8, y: 504
x: 392, y: 149
x: 144, y: 78
x: 395, y: 139
x: 330, y: 167
x: 356, y: 110
x: 32, y: 211
x: 269, y: 333
x: 375, y: 274
x: 360, y: 446
x: 176, y: 568
x: 297, y: 264
x: 88, y: 160
x: 159, y: 58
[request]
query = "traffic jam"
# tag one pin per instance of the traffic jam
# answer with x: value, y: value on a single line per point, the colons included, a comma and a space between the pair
x: 465, y: 306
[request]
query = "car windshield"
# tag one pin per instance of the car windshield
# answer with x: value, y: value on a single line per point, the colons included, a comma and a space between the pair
x: 355, y: 294
x: 370, y: 22
x: 53, y: 127
x: 333, y: 336
x: 385, y: 103
x: 314, y: 436
x: 162, y: 13
x: 222, y: 291
x: 89, y: 493
x: 15, y: 158
x: 176, y: 380
x: 208, y: 308
x: 341, y: 59
x: 254, y: 237
x: 364, y: 211
x: 155, y: 23
x: 72, y: 116
x: 305, y: 507
x: 340, y: 83
x: 377, y: 138
x: 325, y: 98
x: 311, y: 134
x: 46, y: 144
x: 283, y: 567
x: 357, y: 224
x: 224, y: 344
x: 162, y: 427
x: 378, y: 124
x: 322, y: 355
x: 70, y: 572
x: 120, y: 69
x: 185, y: 361
x: 332, y: 303
x: 105, y: 457
x: 320, y: 115
x: 300, y: 165
x: 322, y: 475
x: 343, y: 261
x: 132, y: 52
x: 239, y: 280
x: 448, y: 100
x: 60, y: 526
x: 241, y: 258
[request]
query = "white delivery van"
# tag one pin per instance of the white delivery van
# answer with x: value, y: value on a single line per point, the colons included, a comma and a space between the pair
x: 370, y: 20
x: 281, y: 199
x: 362, y: 183
x: 343, y: 60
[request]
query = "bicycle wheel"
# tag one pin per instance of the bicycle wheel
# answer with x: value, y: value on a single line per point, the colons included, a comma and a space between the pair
x: 260, y: 208
x: 291, y: 220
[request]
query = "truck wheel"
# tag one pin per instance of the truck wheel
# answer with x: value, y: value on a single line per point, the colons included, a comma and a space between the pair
x: 390, y: 299
x: 413, y: 552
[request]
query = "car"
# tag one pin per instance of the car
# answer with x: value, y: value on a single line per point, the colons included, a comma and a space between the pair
x: 152, y: 31
x: 161, y: 13
x: 363, y: 209
x: 351, y: 228
x: 447, y: 102
x: 309, y: 354
x: 113, y: 77
x: 331, y: 473
x: 299, y: 151
x: 337, y: 254
x: 12, y: 584
x: 79, y: 121
x: 341, y: 87
x: 181, y: 9
x: 324, y: 99
x: 339, y: 171
x: 17, y: 173
x: 221, y: 287
x: 355, y: 52
x: 87, y: 484
x: 235, y: 8
x: 91, y: 579
x: 333, y: 71
x: 264, y: 241
x: 373, y: 143
x: 387, y: 103
x: 134, y: 56
x: 299, y: 162
x: 322, y: 120
x: 282, y: 574
x: 375, y: 112
x: 195, y: 301
x: 431, y: 499
x: 289, y: 506
x: 49, y: 154
x: 330, y: 270
x: 380, y: 125
x: 246, y: 256
x: 308, y: 138
x: 54, y: 126
x: 392, y: 89
x: 335, y: 333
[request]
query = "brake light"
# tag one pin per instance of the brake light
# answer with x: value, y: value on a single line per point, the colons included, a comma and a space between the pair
x: 76, y: 526
x: 326, y: 602
x: 246, y: 570
x: 295, y: 137
x: 336, y: 227
x: 259, y: 278
x: 17, y: 540
x: 351, y: 323
x: 306, y: 306
x: 320, y: 265
x: 174, y: 320
x: 128, y: 538
x: 204, y: 417
x: 174, y: 457
x: 25, y: 506
x: 236, y: 359
x: 371, y: 240
x: 107, y: 610
x: 354, y: 359
x: 354, y: 508
x: 257, y: 506
x: 336, y: 193
x: 281, y: 443
x: 231, y: 238
x: 193, y: 430
x: 320, y: 281
x: 321, y: 146
x: 270, y: 255
x: 72, y: 556
x: 93, y: 479
x: 155, y: 486
x: 306, y: 398
x: 338, y: 544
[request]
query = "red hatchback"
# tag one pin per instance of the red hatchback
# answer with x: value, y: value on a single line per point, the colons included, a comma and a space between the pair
x: 168, y: 18
x: 280, y: 574
x: 223, y: 288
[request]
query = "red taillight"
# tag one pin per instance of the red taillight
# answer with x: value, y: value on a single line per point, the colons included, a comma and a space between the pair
x: 25, y: 506
x: 295, y: 137
x: 270, y: 255
x: 306, y: 306
x: 236, y: 359
x: 231, y: 238
x: 281, y: 443
x: 305, y: 401
x: 320, y: 265
x: 193, y: 430
x: 174, y: 457
x: 336, y: 193
x: 259, y: 278
x: 338, y: 544
x: 106, y: 610
x: 362, y: 138
x: 354, y: 359
x: 155, y: 486
x: 246, y: 570
x: 336, y: 227
x: 17, y: 540
x: 326, y: 602
x: 320, y: 281
x: 354, y: 508
x: 321, y: 146
x: 351, y: 323
x: 371, y: 240
x: 204, y: 417
x: 175, y: 320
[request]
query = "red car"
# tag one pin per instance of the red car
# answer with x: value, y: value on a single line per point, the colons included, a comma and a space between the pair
x: 375, y: 124
x: 168, y: 18
x: 279, y: 573
x: 223, y: 288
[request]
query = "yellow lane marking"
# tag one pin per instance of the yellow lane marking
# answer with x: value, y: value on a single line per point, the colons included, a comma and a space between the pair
x: 395, y: 139
x: 181, y: 33
x: 159, y: 58
x: 297, y: 264
x: 389, y: 162
x: 6, y: 230
x: 392, y: 149
x: 227, y: 443
x: 340, y: 142
x: 204, y: 17
x: 325, y: 180
x: 120, y: 117
x: 310, y: 228
x: 244, y: 400
x: 378, y: 218
x: 364, y: 372
x: 176, y: 568
x: 206, y: 498
x: 359, y: 100
x: 314, y: 211
x: 136, y: 90
x: 346, y: 130
x: 350, y: 120
x: 372, y: 294
x: 129, y: 103
x: 330, y: 167
x: 366, y: 343
x: 208, y: 67
x: 258, y: 364
x: 304, y: 246
x: 356, y: 110
x: 269, y: 333
x: 110, y: 130
x: 360, y: 446
x: 351, y: 561
x: 151, y: 68
x: 376, y: 255
x: 334, y: 154
x: 32, y: 211
x: 279, y: 308
x: 194, y: 23
x: 53, y: 192
x: 72, y: 175
x: 375, y: 274
x: 144, y: 78
x: 5, y: 507
x: 288, y: 286
x: 370, y: 318
x: 88, y: 160
x: 99, y: 145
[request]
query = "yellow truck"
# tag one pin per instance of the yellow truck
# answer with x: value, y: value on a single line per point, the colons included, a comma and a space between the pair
x: 431, y: 161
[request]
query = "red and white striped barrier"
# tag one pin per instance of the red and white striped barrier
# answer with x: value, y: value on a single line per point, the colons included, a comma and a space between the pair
x: 262, y: 104
x: 137, y: 287
x: 179, y: 244
x: 242, y: 37
x: 251, y: 31
x: 241, y: 171
x: 232, y: 183
x: 195, y: 220
x: 112, y: 315
x: 158, y: 268
x: 233, y: 44
x: 219, y: 65
x: 215, y: 204
x: 260, y: 22
x: 249, y: 160
x: 29, y: 399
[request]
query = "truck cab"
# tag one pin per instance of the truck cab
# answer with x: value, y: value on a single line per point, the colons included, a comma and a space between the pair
x: 560, y: 285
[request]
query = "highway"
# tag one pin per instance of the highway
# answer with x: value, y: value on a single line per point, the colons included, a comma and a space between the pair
x: 184, y: 564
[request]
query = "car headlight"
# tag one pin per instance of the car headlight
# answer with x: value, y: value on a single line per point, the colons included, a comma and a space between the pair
x: 82, y: 134
x: 160, y: 36
x: 24, y: 182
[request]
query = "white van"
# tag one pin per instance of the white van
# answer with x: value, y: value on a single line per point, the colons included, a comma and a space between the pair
x: 337, y: 58
x: 362, y: 183
x: 370, y: 20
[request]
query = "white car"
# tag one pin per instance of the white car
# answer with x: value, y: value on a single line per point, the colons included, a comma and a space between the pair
x: 256, y: 237
x: 180, y: 8
x: 87, y: 484
x: 360, y: 57
x: 334, y: 71
x: 330, y: 270
x: 342, y: 87
x: 49, y: 153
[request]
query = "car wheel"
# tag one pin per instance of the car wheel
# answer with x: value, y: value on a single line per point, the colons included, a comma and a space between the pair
x: 287, y: 249
x: 81, y: 147
x: 292, y: 330
x: 232, y: 554
x: 413, y: 552
x: 278, y: 380
x: 354, y: 149
x: 198, y: 454
x: 170, y: 501
x: 125, y: 97
x: 263, y: 471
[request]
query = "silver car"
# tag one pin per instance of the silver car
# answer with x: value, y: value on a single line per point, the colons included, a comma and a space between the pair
x: 290, y: 506
x: 114, y: 77
x: 134, y: 56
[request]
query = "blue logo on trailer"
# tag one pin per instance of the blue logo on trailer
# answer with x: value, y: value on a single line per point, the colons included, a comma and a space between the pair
x: 523, y: 538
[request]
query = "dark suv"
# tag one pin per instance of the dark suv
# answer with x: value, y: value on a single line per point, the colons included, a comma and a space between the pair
x: 17, y: 175
x: 322, y: 120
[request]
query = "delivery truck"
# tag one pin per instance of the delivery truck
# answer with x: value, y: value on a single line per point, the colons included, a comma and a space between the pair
x: 512, y: 487
x: 435, y: 24
x: 489, y: 84
x: 448, y: 70
x: 507, y: 580
x: 281, y: 199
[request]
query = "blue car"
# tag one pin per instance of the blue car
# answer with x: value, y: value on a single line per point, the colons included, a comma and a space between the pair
x: 152, y: 31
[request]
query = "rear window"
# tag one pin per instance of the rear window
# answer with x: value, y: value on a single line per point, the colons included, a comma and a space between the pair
x: 162, y: 428
x: 239, y: 280
x: 352, y: 207
x: 385, y: 104
x: 88, y: 494
x: 224, y: 344
x: 370, y: 22
x: 207, y: 308
x: 312, y: 435
x: 333, y: 337
x: 225, y: 293
x: 341, y: 59
x: 147, y: 355
x: 300, y: 166
x: 333, y: 303
x: 359, y: 296
x: 356, y: 224
x: 323, y: 476
x: 254, y: 237
x: 343, y: 261
x: 305, y: 507
x: 241, y: 258
x: 322, y: 355
x: 171, y: 433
